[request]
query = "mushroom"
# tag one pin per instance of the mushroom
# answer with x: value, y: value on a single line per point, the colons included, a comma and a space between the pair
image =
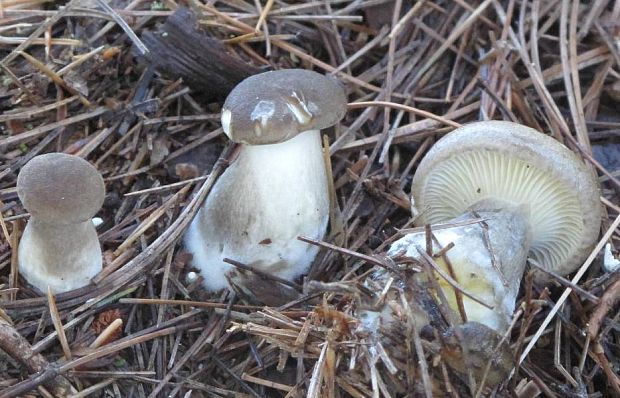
x: 59, y: 247
x: 276, y: 189
x: 504, y: 192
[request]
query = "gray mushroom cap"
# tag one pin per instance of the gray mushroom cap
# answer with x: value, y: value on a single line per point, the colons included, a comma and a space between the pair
x: 60, y: 188
x: 273, y: 107
x: 494, y: 162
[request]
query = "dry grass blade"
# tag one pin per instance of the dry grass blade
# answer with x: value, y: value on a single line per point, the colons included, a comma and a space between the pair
x: 60, y: 332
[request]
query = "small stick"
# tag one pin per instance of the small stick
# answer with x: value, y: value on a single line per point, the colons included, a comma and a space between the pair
x: 83, y: 58
x: 206, y: 304
x: 448, y: 279
x: 92, y: 389
x: 567, y: 292
x: 52, y: 126
x: 106, y: 333
x: 263, y: 15
x: 31, y: 112
x: 19, y: 84
x: 565, y: 281
x: 457, y: 294
x: 440, y: 226
x: 417, y: 343
x: 262, y: 273
x: 116, y: 264
x: 19, y: 349
x: 182, y: 119
x: 267, y: 383
x: 166, y: 187
x: 55, y: 42
x: 607, y: 302
x: 144, y: 51
x: 489, y: 247
x: 150, y: 220
x: 13, y: 276
x: 364, y: 257
x: 5, y: 230
x: 420, y: 112
x: 60, y: 331
x: 55, y: 78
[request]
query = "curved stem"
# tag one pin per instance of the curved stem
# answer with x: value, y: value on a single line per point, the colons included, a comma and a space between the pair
x: 486, y: 259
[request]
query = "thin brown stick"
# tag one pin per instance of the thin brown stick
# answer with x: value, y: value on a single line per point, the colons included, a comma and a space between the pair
x: 19, y: 349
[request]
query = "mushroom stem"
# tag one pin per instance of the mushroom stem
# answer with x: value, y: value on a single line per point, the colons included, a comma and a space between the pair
x: 270, y: 195
x: 487, y: 259
x: 63, y: 256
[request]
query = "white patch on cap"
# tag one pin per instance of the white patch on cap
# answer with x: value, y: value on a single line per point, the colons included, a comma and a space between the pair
x: 261, y: 113
x: 299, y: 110
x: 226, y: 117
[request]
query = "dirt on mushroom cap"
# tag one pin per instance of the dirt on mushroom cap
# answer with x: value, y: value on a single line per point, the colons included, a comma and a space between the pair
x: 275, y: 106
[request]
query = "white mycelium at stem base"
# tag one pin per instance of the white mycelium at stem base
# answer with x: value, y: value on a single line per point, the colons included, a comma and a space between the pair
x: 276, y: 189
x: 535, y: 196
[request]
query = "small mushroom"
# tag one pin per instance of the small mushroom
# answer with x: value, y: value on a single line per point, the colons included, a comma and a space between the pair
x: 277, y: 188
x: 505, y: 192
x: 59, y: 247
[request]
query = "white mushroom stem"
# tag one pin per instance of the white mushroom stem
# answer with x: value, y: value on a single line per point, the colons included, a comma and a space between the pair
x: 62, y: 256
x: 268, y: 196
x: 488, y: 260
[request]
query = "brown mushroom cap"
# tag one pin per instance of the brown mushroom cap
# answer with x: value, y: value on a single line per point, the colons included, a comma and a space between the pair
x: 496, y: 162
x: 275, y: 106
x: 60, y: 188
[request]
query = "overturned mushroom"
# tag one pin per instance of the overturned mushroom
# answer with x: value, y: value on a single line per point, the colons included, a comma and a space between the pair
x: 276, y: 189
x: 506, y: 193
x: 59, y: 247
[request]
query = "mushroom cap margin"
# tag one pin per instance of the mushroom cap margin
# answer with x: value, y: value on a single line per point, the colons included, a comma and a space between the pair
x: 274, y: 106
x: 500, y: 143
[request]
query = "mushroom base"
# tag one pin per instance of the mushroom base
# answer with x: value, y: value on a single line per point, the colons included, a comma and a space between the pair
x: 268, y: 197
x: 63, y: 257
x: 488, y: 260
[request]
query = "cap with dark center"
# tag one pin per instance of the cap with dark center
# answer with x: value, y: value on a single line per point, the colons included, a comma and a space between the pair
x: 275, y: 106
x: 492, y: 164
x: 60, y: 188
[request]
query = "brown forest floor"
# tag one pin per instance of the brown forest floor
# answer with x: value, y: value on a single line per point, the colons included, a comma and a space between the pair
x: 92, y: 78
